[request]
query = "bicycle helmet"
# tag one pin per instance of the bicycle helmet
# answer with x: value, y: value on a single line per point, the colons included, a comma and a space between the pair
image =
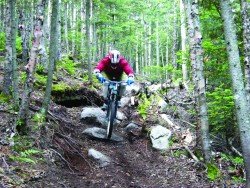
x: 114, y: 56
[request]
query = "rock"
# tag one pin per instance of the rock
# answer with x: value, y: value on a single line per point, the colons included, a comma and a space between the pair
x: 100, y: 158
x: 93, y: 115
x: 132, y: 89
x: 159, y: 136
x: 96, y: 132
x: 125, y: 101
x: 98, y: 116
x: 162, y: 105
x: 131, y: 127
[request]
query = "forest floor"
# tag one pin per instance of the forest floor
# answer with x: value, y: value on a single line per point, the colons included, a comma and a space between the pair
x: 66, y: 163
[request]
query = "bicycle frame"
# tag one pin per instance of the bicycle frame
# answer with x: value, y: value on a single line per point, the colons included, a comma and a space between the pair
x: 113, y: 93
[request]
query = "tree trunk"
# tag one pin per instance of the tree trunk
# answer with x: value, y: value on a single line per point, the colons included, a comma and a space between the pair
x: 13, y: 46
x: 66, y: 43
x: 242, y: 108
x: 174, y: 47
x: 24, y: 28
x: 157, y: 43
x: 88, y: 40
x: 52, y: 54
x: 2, y: 16
x: 183, y: 42
x: 196, y: 55
x: 59, y: 46
x: 83, y: 18
x: 30, y: 67
x: 7, y: 82
x: 245, y: 6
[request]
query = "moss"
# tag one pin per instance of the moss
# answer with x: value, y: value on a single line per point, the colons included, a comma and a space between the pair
x: 68, y: 65
x: 4, y: 98
x: 61, y: 86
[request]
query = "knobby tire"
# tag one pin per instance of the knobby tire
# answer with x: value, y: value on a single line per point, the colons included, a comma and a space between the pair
x: 111, y: 114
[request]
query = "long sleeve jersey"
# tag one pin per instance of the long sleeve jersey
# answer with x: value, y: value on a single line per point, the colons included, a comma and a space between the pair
x: 114, y: 71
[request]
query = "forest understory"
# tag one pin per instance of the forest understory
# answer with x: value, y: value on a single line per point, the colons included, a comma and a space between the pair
x: 64, y: 162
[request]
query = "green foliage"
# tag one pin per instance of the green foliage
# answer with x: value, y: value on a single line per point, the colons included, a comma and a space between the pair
x: 179, y: 153
x: 2, y: 41
x: 39, y: 117
x: 26, y: 156
x: 221, y: 109
x: 4, y: 98
x: 40, y: 69
x: 23, y: 76
x: 144, y: 106
x: 236, y: 165
x: 156, y: 73
x: 67, y: 65
x: 40, y: 80
x: 24, y: 150
x: 61, y: 86
x: 213, y: 172
x: 236, y: 161
x: 19, y: 45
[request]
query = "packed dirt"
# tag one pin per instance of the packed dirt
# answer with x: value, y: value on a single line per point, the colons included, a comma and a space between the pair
x: 134, y: 162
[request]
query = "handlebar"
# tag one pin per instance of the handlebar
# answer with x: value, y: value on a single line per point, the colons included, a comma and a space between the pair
x: 115, y: 82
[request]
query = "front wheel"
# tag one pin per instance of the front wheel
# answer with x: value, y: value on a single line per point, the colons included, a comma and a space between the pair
x: 111, y: 118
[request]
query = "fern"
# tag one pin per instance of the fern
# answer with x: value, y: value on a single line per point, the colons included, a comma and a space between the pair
x: 23, y: 159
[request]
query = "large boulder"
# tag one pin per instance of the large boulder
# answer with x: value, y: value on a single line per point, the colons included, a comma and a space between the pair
x: 159, y: 136
x: 93, y: 115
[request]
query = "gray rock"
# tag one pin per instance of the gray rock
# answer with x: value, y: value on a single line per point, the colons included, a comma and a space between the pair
x: 100, y: 158
x: 93, y: 115
x: 131, y: 127
x: 125, y: 101
x: 99, y: 133
x: 159, y: 136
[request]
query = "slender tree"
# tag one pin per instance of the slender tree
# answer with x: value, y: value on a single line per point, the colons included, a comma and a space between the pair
x: 242, y: 107
x: 30, y: 67
x: 8, y: 57
x: 52, y: 54
x: 183, y: 42
x: 196, y: 55
x: 13, y: 46
x: 245, y: 6
x: 88, y: 7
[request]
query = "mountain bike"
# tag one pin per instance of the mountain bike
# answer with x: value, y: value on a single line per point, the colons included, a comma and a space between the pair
x: 112, y: 103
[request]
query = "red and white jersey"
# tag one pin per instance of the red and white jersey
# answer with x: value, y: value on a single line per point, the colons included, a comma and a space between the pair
x: 114, y: 71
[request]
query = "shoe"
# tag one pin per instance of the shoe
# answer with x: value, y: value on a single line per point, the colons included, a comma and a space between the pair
x: 104, y: 107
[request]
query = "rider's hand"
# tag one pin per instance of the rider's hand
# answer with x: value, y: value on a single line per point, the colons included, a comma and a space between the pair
x: 100, y: 78
x: 130, y: 80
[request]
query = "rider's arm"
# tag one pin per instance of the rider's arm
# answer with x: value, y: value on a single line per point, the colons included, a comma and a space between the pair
x: 127, y: 68
x: 101, y: 64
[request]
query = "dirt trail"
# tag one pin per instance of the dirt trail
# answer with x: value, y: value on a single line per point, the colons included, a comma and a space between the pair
x: 134, y: 162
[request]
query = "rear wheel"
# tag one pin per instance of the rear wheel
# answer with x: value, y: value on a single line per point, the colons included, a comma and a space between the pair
x: 111, y: 118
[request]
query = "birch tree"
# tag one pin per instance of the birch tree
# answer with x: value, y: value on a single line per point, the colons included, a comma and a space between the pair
x: 245, y: 6
x: 196, y: 56
x: 242, y: 107
x: 52, y: 54
x: 183, y: 42
x: 88, y: 7
x: 30, y: 67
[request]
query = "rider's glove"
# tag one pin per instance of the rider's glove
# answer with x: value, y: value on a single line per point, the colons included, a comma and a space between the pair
x: 130, y: 80
x: 100, y: 78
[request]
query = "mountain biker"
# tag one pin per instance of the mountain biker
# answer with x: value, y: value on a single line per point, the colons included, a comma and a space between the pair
x: 113, y: 65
